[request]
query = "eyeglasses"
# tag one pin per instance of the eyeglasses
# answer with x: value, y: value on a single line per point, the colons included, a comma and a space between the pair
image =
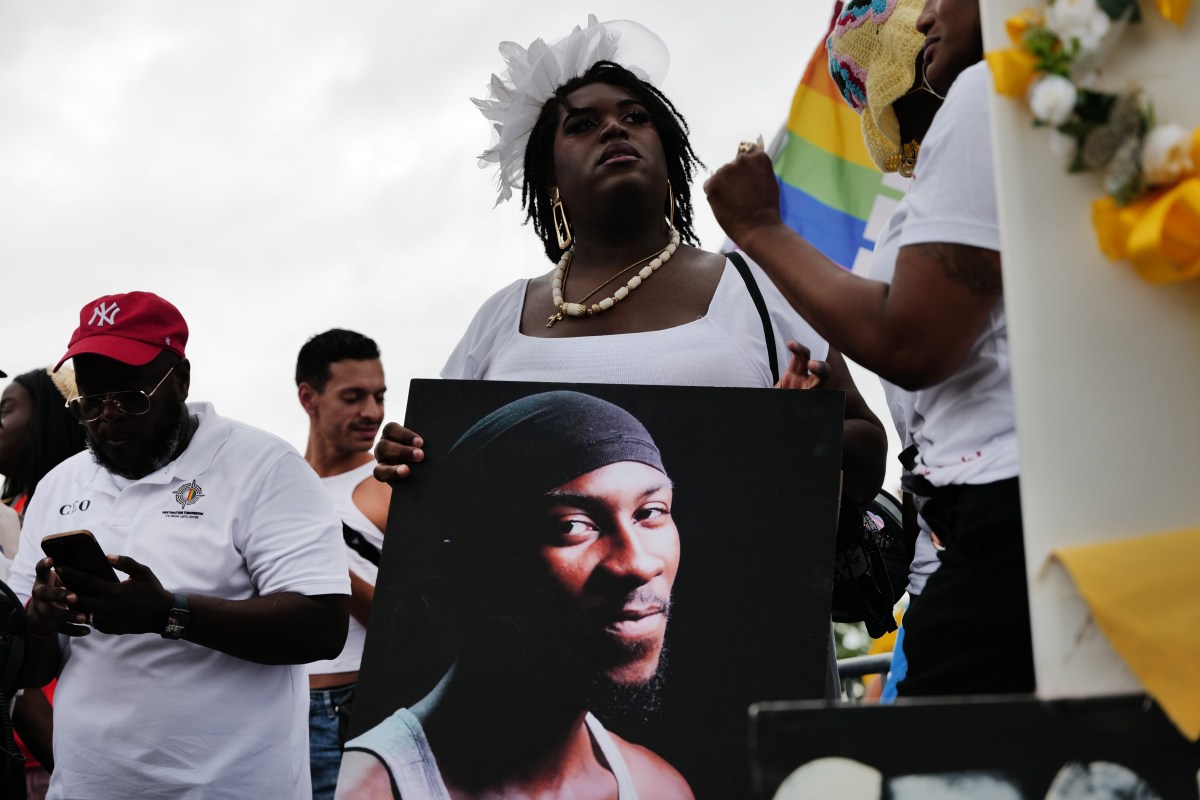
x: 89, y: 407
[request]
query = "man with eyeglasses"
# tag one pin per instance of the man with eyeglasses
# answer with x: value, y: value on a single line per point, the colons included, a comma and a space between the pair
x: 184, y: 679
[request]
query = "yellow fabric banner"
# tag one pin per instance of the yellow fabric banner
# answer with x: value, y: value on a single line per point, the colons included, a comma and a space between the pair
x: 1145, y: 597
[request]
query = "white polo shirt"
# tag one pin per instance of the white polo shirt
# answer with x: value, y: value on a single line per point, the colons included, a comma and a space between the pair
x: 238, y: 515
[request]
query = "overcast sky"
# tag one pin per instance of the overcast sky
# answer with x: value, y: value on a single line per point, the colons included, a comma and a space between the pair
x: 279, y: 167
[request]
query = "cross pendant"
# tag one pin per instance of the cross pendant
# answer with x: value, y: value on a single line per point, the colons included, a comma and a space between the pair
x: 553, y: 319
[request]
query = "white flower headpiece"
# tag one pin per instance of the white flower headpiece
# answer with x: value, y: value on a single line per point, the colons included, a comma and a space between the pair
x: 516, y: 99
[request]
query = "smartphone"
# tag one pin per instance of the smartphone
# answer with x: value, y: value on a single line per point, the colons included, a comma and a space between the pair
x: 79, y: 550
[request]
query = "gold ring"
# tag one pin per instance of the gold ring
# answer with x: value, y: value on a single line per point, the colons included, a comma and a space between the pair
x: 746, y: 147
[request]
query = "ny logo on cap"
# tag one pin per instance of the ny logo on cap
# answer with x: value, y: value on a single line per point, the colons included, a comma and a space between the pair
x: 104, y: 313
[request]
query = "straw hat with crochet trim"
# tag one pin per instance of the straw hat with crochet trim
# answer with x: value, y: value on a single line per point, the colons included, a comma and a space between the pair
x: 872, y: 59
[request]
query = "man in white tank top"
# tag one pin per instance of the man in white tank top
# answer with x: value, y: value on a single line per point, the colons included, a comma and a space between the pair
x: 558, y: 554
x: 340, y: 384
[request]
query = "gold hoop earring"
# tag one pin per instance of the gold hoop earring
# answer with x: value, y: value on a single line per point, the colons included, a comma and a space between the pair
x: 927, y: 86
x: 670, y: 205
x: 562, y: 229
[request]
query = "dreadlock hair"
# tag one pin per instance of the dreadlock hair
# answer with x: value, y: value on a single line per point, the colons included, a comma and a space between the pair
x: 54, y: 434
x: 336, y: 344
x: 672, y: 130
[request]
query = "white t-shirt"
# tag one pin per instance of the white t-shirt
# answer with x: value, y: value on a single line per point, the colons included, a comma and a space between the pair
x: 239, y: 514
x: 725, y: 347
x: 964, y: 426
x: 341, y: 494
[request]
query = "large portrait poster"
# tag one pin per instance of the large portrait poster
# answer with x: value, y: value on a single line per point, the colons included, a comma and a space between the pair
x: 754, y: 484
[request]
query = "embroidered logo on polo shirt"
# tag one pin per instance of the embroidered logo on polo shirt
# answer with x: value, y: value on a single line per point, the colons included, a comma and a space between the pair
x: 187, y: 495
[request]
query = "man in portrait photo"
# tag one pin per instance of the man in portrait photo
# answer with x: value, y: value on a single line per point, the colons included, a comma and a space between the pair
x: 558, y: 552
x: 469, y: 567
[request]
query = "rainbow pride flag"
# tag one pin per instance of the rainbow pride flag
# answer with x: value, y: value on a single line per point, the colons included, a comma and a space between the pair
x: 830, y: 190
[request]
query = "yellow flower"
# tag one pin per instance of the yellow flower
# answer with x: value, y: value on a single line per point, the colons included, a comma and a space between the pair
x: 1159, y: 234
x: 1174, y: 10
x: 1018, y: 24
x: 1012, y: 71
x: 1112, y: 224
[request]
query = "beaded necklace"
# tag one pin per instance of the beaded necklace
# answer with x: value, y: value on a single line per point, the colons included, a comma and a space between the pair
x: 581, y: 309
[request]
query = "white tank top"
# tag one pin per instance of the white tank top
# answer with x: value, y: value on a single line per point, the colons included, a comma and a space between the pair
x: 400, y: 743
x: 341, y: 491
x: 725, y: 347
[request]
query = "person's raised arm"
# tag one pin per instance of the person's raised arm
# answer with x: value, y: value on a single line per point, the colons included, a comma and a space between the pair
x: 914, y: 333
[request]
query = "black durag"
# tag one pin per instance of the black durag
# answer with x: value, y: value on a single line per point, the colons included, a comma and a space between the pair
x: 534, y: 444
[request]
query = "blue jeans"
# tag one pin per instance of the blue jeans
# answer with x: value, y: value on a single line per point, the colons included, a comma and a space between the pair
x: 897, y: 672
x: 324, y: 750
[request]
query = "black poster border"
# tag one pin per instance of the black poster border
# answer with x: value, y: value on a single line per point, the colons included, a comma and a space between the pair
x: 757, y: 480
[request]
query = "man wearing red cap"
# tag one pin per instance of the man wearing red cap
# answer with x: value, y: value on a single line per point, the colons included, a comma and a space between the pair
x: 183, y: 679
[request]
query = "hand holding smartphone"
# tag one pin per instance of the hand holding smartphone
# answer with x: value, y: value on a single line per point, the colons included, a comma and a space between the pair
x: 79, y: 550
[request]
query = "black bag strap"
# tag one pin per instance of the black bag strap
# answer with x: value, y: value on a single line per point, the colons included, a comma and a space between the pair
x: 359, y: 544
x: 761, y: 305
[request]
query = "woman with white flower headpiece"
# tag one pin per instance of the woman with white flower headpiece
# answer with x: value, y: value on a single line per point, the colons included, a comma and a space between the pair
x: 603, y: 165
x: 931, y: 323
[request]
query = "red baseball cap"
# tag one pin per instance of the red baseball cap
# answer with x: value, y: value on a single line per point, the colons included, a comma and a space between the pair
x: 132, y: 328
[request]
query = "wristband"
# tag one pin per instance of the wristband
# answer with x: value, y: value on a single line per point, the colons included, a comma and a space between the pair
x: 177, y: 618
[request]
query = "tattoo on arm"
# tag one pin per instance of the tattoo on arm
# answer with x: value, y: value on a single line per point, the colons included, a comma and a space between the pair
x: 976, y: 268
